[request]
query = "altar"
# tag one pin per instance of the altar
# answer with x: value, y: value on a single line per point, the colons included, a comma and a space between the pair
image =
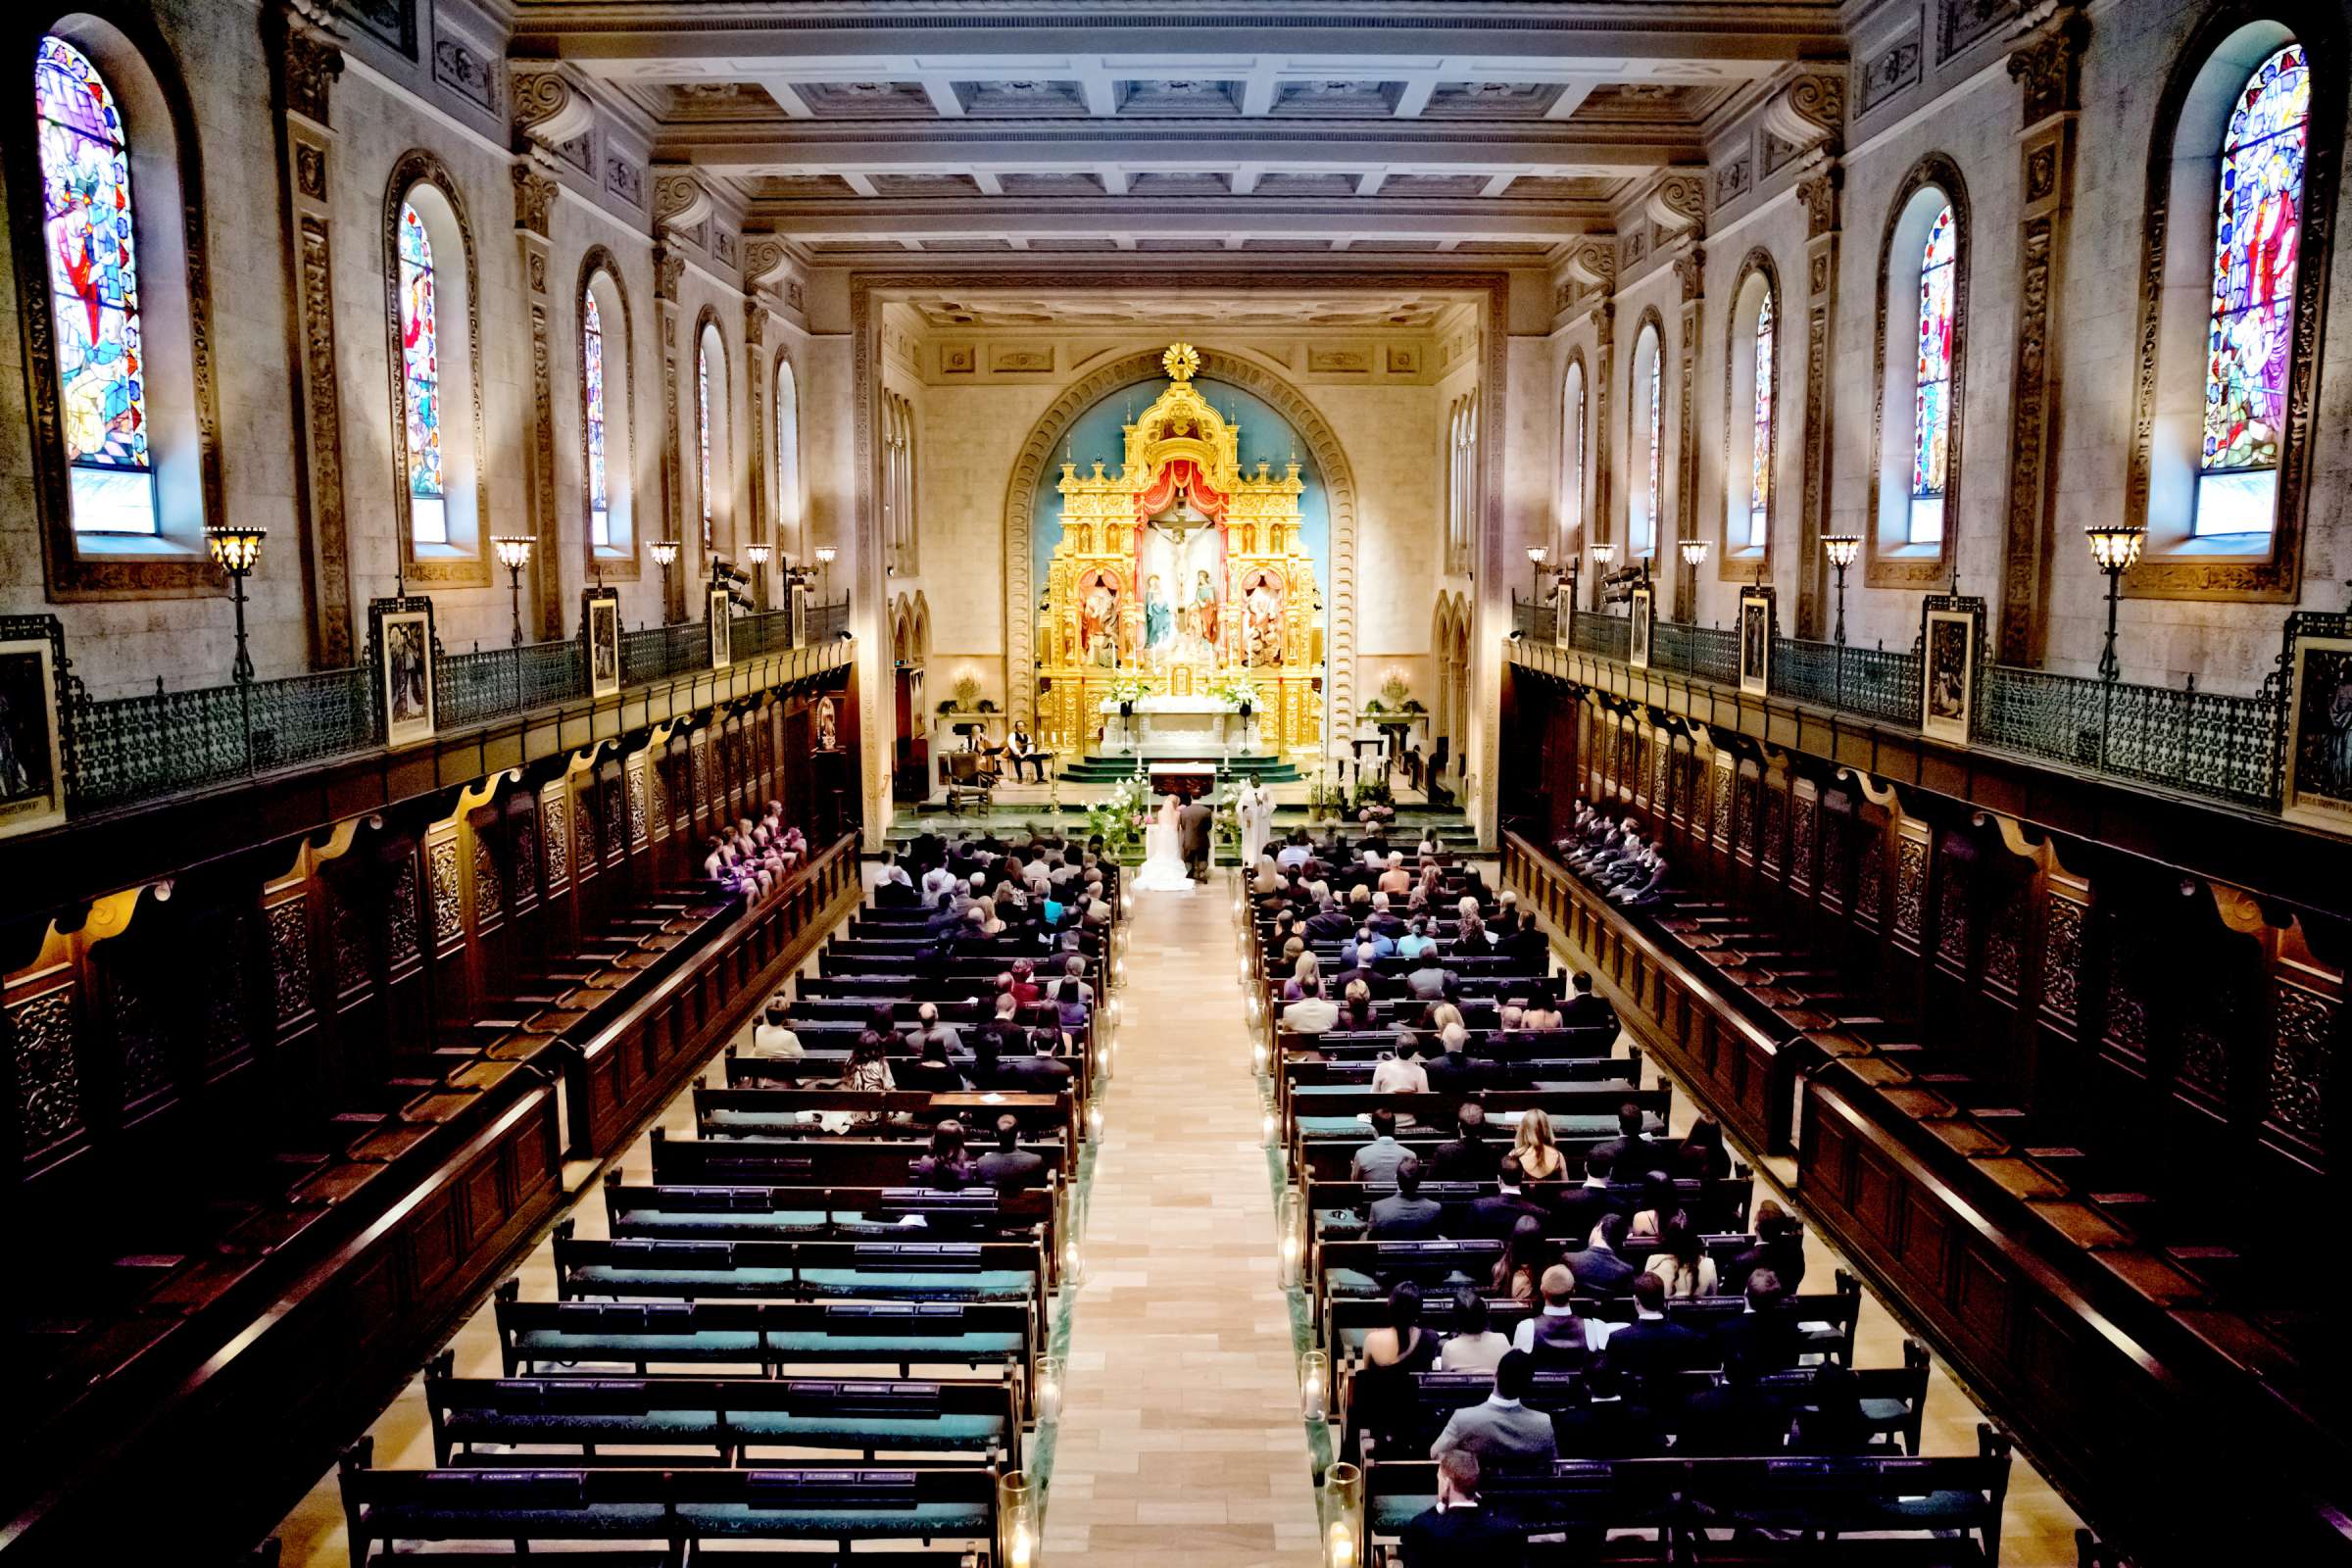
x: 1178, y: 592
x: 1167, y: 726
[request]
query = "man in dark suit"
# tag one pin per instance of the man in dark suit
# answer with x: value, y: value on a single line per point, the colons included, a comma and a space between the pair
x: 1039, y: 1072
x: 1456, y: 1071
x: 1500, y: 1211
x: 1467, y: 1156
x: 1633, y: 1153
x: 1650, y: 1346
x: 1008, y: 1167
x: 1405, y: 1217
x: 1598, y: 1269
x: 1191, y: 831
x: 1583, y: 1009
x: 1460, y: 1529
x: 1780, y: 1246
x: 1330, y: 921
x: 1581, y: 1207
x: 1762, y: 1339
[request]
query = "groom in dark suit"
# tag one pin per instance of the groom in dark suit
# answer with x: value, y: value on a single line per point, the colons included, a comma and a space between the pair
x: 1192, y: 832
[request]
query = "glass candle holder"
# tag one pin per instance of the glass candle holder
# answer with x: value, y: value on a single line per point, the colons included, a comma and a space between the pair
x: 1293, y: 1263
x: 1049, y: 1373
x: 1073, y: 1265
x: 1315, y: 1386
x: 1016, y: 1521
x: 1344, y: 1509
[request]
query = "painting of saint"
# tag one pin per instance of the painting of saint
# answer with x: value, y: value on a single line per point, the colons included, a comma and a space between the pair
x: 1098, y: 618
x: 1262, y: 619
x: 1950, y: 642
x: 31, y: 770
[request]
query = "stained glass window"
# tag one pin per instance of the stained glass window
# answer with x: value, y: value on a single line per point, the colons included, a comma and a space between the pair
x: 2258, y: 229
x: 1759, y: 475
x: 702, y: 423
x: 1572, y: 439
x: 94, y: 293
x: 421, y: 381
x: 1644, y: 507
x: 1931, y: 410
x: 592, y: 367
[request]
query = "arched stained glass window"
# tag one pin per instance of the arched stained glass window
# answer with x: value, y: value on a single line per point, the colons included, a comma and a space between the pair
x: 87, y: 225
x: 592, y: 370
x: 1572, y: 464
x: 2250, y: 341
x: 421, y: 381
x: 702, y: 425
x: 1759, y: 475
x: 1931, y: 410
x: 1649, y: 533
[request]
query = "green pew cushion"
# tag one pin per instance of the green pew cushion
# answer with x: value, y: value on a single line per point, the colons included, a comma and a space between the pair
x: 948, y: 1520
x: 612, y: 1280
x: 554, y: 1344
x: 1393, y: 1512
x: 818, y: 1345
x: 783, y: 1428
x: 982, y: 1285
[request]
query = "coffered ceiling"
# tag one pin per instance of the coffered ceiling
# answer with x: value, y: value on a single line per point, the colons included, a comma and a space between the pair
x: 997, y: 126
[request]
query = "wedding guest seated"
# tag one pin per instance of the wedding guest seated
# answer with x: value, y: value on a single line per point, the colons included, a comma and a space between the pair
x: 1461, y: 1529
x: 1780, y: 1248
x: 1416, y: 939
x: 1633, y: 1153
x: 1555, y: 1337
x: 1583, y: 1206
x: 1761, y: 1338
x: 1405, y: 1215
x: 1599, y: 1267
x: 1355, y: 1008
x: 1073, y: 996
x: 1497, y: 1214
x: 1646, y: 1349
x: 772, y: 1040
x: 868, y: 1066
x: 932, y: 1071
x: 1430, y: 979
x: 928, y: 1030
x: 1467, y: 1156
x: 1384, y: 1395
x: 1306, y: 977
x: 1539, y: 1153
x: 1329, y: 920
x: 1377, y: 1160
x: 1503, y: 1430
x: 946, y: 1169
x: 1039, y: 1070
x: 1384, y: 921
x: 1527, y: 1253
x: 1312, y: 1014
x: 1400, y: 1071
x: 1585, y: 1010
x: 1473, y: 1347
x: 1456, y: 1071
x: 1831, y: 1419
x: 1008, y: 1167
x: 1395, y: 879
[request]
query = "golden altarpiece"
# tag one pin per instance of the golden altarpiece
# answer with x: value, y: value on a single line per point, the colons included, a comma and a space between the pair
x: 1178, y: 581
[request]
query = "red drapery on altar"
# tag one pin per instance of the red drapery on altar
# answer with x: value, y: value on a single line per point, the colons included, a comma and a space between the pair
x: 1181, y: 474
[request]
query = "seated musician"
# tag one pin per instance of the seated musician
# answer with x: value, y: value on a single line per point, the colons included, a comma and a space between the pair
x: 1020, y: 749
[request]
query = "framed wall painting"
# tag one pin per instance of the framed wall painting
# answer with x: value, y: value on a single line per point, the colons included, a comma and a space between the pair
x: 599, y: 630
x: 33, y: 750
x: 722, y: 639
x: 2318, y: 787
x: 1756, y: 641
x: 1563, y: 618
x: 828, y: 730
x: 1638, y: 644
x: 800, y: 614
x: 401, y: 632
x: 1951, y: 641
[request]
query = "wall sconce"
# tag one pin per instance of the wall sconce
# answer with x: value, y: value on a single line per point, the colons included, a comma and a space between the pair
x: 236, y: 551
x: 514, y: 552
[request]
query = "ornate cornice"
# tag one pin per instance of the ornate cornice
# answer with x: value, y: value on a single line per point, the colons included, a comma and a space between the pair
x: 1595, y: 261
x: 1678, y: 200
x: 680, y: 199
x: 2048, y: 65
x: 1810, y: 111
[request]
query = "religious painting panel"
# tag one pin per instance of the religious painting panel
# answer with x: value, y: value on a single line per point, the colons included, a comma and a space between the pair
x: 32, y: 753
x: 723, y: 642
x: 2318, y: 787
x: 1755, y: 640
x: 1953, y: 641
x: 401, y: 631
x: 599, y: 627
x: 1638, y: 644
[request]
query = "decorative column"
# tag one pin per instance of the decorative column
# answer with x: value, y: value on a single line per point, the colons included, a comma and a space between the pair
x: 754, y: 338
x: 1818, y: 190
x: 534, y: 201
x: 2048, y: 67
x: 303, y: 32
x: 669, y: 268
x: 1690, y: 270
x: 1604, y: 337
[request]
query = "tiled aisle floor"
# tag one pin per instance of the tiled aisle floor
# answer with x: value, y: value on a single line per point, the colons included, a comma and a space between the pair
x: 1179, y: 1439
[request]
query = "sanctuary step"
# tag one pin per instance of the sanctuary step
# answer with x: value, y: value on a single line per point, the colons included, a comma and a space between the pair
x: 1110, y: 770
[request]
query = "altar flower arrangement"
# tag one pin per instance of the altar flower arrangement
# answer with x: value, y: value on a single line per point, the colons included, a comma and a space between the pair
x: 1228, y: 820
x: 1118, y: 820
x: 1130, y: 688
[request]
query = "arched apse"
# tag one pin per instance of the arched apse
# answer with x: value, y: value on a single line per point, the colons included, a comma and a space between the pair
x: 1037, y: 468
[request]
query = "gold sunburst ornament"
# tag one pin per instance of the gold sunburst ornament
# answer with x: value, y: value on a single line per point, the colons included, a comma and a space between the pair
x: 1180, y: 361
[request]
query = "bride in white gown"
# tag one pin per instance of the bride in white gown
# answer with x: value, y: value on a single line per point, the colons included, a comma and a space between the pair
x: 1163, y: 854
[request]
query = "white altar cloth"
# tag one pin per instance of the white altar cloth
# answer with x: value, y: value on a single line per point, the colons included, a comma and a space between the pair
x: 1164, y: 724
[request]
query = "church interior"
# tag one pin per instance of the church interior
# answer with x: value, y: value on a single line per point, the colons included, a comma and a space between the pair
x: 998, y: 782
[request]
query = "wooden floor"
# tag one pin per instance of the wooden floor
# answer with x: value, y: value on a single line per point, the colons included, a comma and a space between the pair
x: 1180, y: 1438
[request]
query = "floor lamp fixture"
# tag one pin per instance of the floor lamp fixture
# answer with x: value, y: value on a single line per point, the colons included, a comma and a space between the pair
x: 666, y: 555
x: 237, y: 551
x: 2116, y: 549
x: 1841, y: 549
x: 514, y: 553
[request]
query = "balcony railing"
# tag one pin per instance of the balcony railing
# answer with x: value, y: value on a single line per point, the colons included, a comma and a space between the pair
x: 123, y: 750
x: 2213, y: 744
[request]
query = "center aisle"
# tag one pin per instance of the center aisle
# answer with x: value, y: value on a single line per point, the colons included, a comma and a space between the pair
x: 1180, y: 1438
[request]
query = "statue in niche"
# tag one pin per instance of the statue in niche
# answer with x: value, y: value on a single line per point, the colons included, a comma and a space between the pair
x: 1159, y: 621
x: 1098, y: 618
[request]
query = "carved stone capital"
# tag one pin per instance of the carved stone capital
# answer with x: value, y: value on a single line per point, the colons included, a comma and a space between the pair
x: 1595, y: 261
x: 1819, y: 193
x: 1810, y: 111
x: 548, y: 108
x: 1678, y: 200
x: 669, y: 268
x: 2048, y: 65
x: 534, y: 199
x: 755, y: 322
x: 680, y: 199
x: 1691, y: 272
x: 765, y: 259
x: 309, y: 62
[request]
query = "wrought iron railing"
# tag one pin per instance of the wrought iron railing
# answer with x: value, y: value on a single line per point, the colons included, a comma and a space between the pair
x: 123, y: 749
x: 2221, y: 746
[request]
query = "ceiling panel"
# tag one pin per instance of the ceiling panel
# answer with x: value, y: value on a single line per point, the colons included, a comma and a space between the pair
x: 1336, y: 97
x: 866, y: 100
x: 1020, y: 99
x: 1179, y: 96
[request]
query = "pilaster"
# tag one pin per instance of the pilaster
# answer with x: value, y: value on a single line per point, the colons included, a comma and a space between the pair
x: 534, y: 201
x: 669, y: 269
x: 1690, y: 270
x: 1819, y: 191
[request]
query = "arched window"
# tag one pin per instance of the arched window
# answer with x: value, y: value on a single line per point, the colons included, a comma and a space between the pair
x: 1932, y: 408
x: 1759, y: 467
x: 1572, y: 461
x: 420, y: 382
x: 608, y: 444
x: 788, y: 458
x: 1642, y: 503
x: 897, y: 482
x: 1462, y: 521
x: 2236, y: 256
x: 1751, y: 397
x: 433, y: 314
x: 89, y: 223
x: 714, y: 457
x: 2257, y: 245
x: 1921, y: 360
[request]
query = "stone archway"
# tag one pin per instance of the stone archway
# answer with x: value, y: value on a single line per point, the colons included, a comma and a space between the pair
x: 1030, y: 469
